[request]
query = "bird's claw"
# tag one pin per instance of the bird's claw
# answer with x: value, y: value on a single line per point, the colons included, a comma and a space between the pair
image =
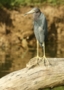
x: 38, y: 57
x: 45, y: 61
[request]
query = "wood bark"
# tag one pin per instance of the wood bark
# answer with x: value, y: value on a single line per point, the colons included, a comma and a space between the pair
x: 36, y: 77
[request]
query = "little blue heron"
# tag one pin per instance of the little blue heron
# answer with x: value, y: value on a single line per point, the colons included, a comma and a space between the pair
x: 40, y: 28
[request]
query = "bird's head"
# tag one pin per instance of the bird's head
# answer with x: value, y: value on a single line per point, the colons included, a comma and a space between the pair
x: 34, y: 10
x: 36, y: 13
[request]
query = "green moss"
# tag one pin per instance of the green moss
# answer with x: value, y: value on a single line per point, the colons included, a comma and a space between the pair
x: 59, y: 88
x: 13, y: 3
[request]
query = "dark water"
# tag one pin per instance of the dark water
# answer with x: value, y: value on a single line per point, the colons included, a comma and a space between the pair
x: 16, y: 57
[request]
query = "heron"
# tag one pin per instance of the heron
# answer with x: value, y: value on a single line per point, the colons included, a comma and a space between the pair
x: 40, y: 29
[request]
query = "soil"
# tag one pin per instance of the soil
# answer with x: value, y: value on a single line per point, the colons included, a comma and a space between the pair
x: 14, y: 27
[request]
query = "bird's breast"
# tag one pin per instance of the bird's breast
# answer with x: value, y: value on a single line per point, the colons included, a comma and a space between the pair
x: 37, y: 25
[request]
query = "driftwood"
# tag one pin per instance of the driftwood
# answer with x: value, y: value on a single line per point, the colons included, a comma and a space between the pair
x: 35, y: 77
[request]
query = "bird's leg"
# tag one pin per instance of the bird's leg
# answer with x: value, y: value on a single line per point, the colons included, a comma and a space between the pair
x: 44, y: 57
x: 34, y: 61
x: 37, y: 49
x: 44, y: 49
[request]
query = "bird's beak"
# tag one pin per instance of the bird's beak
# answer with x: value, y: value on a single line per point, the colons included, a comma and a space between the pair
x: 30, y: 12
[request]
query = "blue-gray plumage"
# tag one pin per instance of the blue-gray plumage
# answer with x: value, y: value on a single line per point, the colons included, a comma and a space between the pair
x: 40, y: 28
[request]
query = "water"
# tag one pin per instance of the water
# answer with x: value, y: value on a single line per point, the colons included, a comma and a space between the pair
x: 16, y: 57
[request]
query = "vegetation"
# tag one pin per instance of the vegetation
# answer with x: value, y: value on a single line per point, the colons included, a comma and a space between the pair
x: 10, y: 3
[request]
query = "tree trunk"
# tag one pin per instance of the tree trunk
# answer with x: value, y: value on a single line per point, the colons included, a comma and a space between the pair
x: 35, y: 77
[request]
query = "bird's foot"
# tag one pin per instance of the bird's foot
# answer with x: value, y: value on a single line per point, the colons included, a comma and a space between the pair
x: 45, y: 61
x: 38, y: 61
x: 37, y: 57
x: 33, y: 62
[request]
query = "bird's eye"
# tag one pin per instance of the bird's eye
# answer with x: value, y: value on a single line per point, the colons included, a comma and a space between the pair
x: 37, y: 11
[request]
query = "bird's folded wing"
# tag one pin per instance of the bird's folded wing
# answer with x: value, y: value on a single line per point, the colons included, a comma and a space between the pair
x: 41, y: 35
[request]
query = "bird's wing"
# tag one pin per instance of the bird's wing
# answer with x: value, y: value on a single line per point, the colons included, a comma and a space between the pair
x: 41, y: 35
x: 43, y: 28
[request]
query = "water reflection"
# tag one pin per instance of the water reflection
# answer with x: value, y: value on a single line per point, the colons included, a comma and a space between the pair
x: 16, y: 57
x: 5, y: 61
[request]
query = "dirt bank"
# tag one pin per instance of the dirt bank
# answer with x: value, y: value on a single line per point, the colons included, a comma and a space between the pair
x: 14, y: 27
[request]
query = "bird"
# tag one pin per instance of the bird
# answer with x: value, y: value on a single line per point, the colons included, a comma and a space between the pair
x: 40, y: 29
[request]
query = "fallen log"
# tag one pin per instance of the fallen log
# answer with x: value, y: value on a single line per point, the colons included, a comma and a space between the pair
x: 35, y: 77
